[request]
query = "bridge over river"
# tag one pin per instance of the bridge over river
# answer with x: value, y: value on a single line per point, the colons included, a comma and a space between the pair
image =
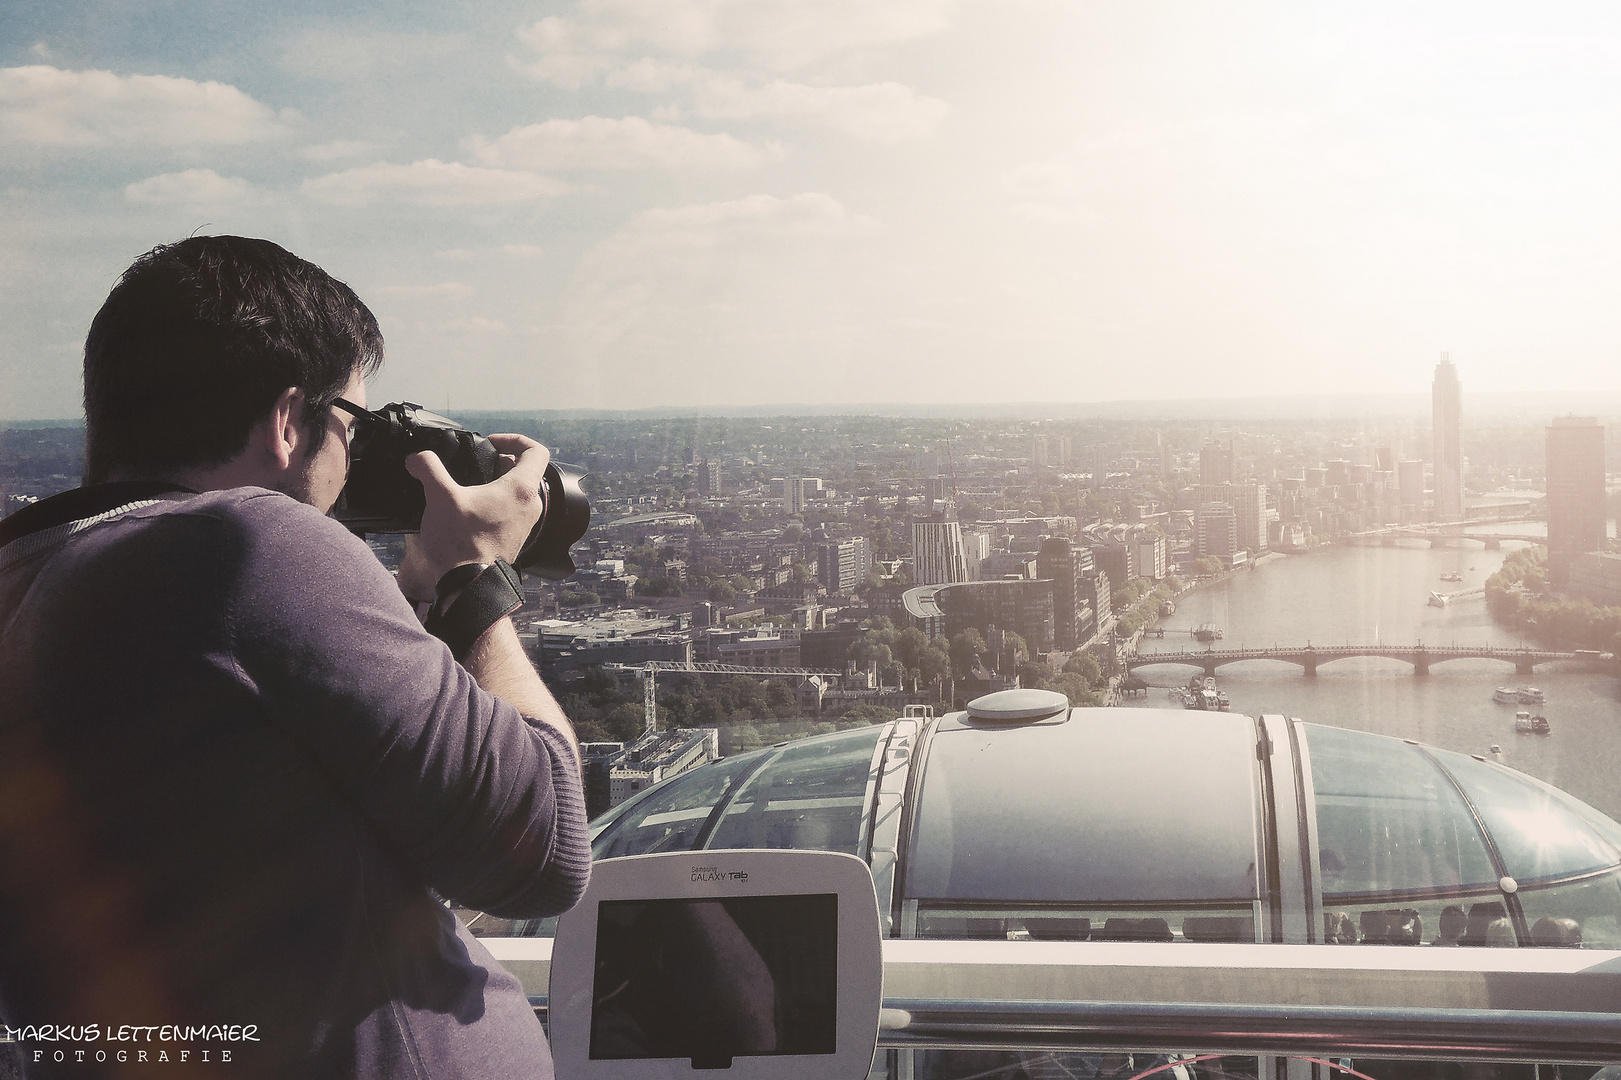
x: 1310, y: 657
x: 1447, y: 534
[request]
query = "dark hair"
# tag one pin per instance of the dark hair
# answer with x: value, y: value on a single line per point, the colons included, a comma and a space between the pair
x: 199, y: 338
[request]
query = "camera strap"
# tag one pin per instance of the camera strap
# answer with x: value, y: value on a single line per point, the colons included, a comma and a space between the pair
x: 487, y: 595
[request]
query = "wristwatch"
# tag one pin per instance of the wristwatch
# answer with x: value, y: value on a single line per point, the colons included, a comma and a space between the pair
x: 480, y: 596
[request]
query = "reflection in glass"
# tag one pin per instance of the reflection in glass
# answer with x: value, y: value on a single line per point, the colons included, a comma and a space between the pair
x: 710, y: 980
x: 1537, y: 835
x: 1087, y: 924
x: 1091, y: 813
x: 810, y: 797
x: 1578, y: 913
x: 670, y: 818
x: 1389, y: 822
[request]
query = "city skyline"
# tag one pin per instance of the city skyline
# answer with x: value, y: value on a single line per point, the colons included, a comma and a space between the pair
x: 717, y: 204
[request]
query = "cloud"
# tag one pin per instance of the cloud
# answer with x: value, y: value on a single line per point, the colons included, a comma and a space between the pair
x: 600, y: 143
x: 337, y: 148
x: 761, y: 276
x: 880, y: 112
x: 46, y: 106
x: 775, y: 34
x: 431, y: 183
x: 810, y: 213
x: 193, y: 187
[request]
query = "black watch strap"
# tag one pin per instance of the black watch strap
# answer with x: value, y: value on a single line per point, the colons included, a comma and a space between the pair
x: 488, y: 595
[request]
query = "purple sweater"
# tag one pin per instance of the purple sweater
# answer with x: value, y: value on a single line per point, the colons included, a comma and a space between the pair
x: 234, y: 773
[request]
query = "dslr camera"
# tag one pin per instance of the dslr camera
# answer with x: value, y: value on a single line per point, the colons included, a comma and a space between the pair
x: 381, y: 497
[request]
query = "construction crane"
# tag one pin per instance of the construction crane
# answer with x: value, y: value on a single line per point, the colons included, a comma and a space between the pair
x: 648, y: 673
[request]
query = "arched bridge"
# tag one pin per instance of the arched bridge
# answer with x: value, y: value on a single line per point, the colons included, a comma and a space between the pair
x: 1446, y: 534
x: 1310, y: 657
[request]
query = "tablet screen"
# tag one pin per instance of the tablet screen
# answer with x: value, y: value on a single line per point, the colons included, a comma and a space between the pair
x: 710, y: 980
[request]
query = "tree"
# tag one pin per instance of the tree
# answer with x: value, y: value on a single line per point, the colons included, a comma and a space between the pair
x: 722, y: 592
x: 627, y: 722
x: 909, y: 644
x: 658, y: 586
x: 967, y: 648
x: 933, y: 663
x: 1072, y: 687
x: 1037, y: 676
x: 1014, y: 649
x: 1084, y: 666
x: 866, y: 714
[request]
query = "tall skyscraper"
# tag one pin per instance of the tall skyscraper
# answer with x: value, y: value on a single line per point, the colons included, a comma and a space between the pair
x: 1216, y: 463
x: 1446, y: 407
x: 1577, y: 518
x: 937, y: 552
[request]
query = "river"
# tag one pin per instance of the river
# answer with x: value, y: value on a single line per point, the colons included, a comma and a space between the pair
x: 1353, y: 595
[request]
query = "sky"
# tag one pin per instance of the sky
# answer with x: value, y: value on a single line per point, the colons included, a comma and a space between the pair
x: 642, y: 203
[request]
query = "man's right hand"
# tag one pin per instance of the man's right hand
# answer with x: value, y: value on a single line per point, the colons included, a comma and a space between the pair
x: 472, y: 524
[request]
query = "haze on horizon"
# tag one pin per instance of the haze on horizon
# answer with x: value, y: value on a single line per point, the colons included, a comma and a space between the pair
x: 624, y: 204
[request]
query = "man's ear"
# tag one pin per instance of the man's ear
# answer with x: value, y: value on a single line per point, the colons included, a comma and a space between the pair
x: 284, y: 433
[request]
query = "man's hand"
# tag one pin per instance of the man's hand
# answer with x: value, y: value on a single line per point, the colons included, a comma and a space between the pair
x: 477, y: 525
x: 472, y: 524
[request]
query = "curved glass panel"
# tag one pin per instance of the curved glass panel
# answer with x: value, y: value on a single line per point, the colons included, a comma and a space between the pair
x: 669, y: 817
x: 1584, y: 913
x: 1605, y: 826
x: 1389, y: 822
x: 1218, y: 925
x: 1111, y: 807
x: 811, y: 796
x: 1538, y: 836
x: 1479, y: 918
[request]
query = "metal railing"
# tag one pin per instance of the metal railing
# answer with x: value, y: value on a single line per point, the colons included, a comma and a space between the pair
x: 1542, y: 1005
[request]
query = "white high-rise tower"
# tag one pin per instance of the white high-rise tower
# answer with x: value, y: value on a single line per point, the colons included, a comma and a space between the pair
x: 1446, y: 402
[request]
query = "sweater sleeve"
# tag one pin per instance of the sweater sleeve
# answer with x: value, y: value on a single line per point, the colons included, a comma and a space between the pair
x: 477, y: 801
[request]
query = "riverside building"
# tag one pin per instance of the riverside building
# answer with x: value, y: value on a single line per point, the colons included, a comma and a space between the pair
x: 1577, y: 515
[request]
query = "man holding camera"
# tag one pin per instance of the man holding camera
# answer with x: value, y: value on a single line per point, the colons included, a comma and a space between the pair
x: 236, y: 774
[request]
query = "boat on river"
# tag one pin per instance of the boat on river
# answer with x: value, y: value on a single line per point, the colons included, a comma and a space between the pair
x: 1451, y: 575
x: 1207, y: 632
x: 1202, y: 695
x: 1530, y: 695
x: 1526, y: 724
x: 1506, y: 695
